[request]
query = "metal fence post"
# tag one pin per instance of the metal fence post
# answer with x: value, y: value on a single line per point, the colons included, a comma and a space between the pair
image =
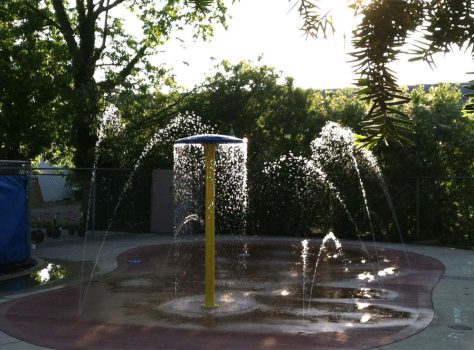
x: 28, y: 205
x: 417, y: 207
x: 93, y: 201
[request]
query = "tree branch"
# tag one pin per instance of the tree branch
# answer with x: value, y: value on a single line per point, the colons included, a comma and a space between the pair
x: 99, y: 51
x: 109, y: 6
x: 81, y: 8
x: 314, y: 21
x: 90, y: 8
x: 169, y: 110
x: 98, y: 4
x: 107, y: 64
x: 40, y: 13
x: 125, y: 72
x: 65, y: 27
x: 378, y: 39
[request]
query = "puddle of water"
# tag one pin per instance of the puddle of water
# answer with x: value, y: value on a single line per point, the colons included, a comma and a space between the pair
x: 152, y: 284
x: 461, y: 327
x: 51, y: 272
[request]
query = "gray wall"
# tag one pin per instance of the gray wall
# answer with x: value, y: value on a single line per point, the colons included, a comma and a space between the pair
x: 162, y: 201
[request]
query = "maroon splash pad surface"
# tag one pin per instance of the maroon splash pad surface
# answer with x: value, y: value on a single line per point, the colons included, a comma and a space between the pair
x: 267, y: 297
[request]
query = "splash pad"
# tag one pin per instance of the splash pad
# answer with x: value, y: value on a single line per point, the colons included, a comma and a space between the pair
x: 271, y: 294
x: 354, y: 303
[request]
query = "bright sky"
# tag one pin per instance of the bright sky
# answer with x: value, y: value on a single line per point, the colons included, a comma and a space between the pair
x: 269, y: 28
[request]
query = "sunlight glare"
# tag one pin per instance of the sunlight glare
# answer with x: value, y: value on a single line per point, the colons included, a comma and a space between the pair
x: 365, y: 318
x: 366, y: 276
x: 267, y: 32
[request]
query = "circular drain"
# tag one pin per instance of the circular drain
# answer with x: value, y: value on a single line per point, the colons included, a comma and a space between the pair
x: 461, y: 327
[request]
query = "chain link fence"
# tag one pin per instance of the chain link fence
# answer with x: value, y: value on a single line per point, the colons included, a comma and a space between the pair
x: 444, y: 209
x: 439, y: 209
x: 65, y: 201
x: 428, y: 208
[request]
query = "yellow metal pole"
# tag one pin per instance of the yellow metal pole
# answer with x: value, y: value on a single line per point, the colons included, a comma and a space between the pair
x: 210, y: 293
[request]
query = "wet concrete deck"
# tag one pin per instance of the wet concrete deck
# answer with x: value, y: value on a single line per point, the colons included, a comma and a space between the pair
x: 451, y: 327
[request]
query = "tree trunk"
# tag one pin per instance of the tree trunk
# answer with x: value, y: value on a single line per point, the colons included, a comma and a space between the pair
x: 84, y: 134
x: 86, y: 110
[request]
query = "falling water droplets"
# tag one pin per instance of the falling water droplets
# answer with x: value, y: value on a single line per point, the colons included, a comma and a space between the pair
x: 232, y: 200
x: 181, y: 124
x: 231, y: 193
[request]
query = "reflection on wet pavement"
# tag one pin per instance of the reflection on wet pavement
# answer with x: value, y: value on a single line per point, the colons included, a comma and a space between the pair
x: 263, y: 284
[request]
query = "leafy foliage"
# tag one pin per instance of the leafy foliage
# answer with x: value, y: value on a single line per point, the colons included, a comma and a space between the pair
x: 446, y: 23
x: 442, y: 160
x: 378, y: 40
x: 95, y: 56
x: 469, y: 107
x: 249, y: 101
x: 314, y: 23
x: 281, y: 121
x: 34, y: 87
x: 292, y: 199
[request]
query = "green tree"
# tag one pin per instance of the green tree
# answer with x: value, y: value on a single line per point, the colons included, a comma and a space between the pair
x: 441, y: 158
x: 97, y: 45
x: 34, y: 87
x: 249, y: 101
x: 343, y: 106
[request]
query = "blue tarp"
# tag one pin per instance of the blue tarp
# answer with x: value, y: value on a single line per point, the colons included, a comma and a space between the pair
x: 13, y: 215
